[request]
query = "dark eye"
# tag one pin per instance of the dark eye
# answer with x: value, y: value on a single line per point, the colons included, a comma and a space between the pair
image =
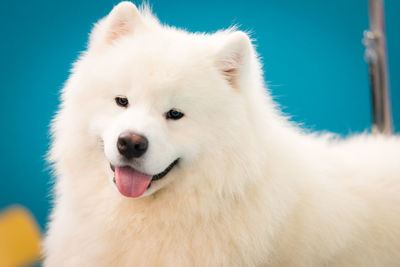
x: 121, y: 101
x: 174, y: 114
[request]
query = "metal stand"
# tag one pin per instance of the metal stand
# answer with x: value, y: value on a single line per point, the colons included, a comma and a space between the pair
x: 375, y: 55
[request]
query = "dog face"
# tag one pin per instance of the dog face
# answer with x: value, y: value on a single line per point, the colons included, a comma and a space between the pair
x: 159, y: 98
x: 157, y: 129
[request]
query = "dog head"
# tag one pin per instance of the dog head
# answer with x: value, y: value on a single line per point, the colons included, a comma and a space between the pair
x: 160, y: 99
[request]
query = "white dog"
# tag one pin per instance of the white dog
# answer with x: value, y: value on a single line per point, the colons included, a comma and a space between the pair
x: 169, y: 152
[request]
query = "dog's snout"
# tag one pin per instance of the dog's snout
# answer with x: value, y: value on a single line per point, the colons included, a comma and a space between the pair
x: 132, y: 145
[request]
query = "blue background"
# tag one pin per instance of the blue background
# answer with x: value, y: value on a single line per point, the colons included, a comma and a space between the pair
x: 311, y: 49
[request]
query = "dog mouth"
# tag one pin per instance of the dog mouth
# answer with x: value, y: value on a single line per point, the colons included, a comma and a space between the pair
x: 132, y: 183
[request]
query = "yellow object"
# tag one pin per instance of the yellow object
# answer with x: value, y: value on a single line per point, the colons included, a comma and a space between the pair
x: 19, y: 238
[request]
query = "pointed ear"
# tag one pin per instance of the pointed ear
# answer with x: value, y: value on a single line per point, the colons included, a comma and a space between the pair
x: 233, y: 57
x: 123, y: 20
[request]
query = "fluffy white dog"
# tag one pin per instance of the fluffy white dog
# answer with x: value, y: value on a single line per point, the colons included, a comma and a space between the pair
x: 168, y: 152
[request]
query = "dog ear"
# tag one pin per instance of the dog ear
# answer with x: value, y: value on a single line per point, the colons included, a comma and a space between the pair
x: 233, y: 57
x: 122, y: 21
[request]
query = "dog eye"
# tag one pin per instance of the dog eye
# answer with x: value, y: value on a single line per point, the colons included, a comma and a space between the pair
x: 173, y: 114
x: 121, y: 101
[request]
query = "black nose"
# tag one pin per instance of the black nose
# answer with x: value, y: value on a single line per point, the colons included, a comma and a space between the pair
x: 132, y: 145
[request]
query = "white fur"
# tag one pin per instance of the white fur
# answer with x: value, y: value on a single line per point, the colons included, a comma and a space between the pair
x: 250, y: 189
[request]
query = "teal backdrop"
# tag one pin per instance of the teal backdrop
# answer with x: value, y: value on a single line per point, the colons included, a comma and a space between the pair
x: 311, y: 50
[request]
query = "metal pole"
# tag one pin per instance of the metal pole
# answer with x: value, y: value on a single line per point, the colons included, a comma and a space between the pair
x: 375, y: 55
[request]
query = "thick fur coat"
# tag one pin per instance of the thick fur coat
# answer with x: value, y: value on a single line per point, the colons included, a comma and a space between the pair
x: 250, y: 188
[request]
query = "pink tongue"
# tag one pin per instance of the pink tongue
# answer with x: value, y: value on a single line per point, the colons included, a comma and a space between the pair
x: 130, y: 182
